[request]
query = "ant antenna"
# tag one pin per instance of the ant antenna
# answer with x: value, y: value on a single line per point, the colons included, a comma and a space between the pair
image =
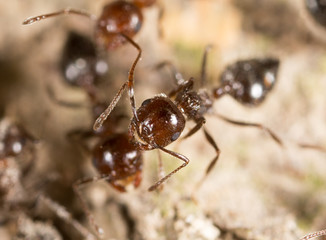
x: 313, y: 235
x: 66, y: 11
x: 130, y: 84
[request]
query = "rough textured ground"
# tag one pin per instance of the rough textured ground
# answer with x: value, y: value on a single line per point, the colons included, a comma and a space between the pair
x: 258, y: 190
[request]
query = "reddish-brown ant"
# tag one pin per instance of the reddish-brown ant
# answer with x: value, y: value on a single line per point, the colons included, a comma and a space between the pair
x: 118, y: 18
x: 114, y: 156
x: 160, y: 121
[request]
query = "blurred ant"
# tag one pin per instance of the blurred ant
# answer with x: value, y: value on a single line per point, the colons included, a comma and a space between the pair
x: 317, y: 9
x: 314, y: 234
x: 160, y: 121
x: 114, y: 156
x: 118, y: 19
x: 17, y: 155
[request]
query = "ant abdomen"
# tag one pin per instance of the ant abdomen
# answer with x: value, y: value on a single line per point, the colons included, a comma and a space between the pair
x: 160, y: 121
x: 118, y: 17
x: 249, y: 81
x: 118, y: 157
x: 80, y: 64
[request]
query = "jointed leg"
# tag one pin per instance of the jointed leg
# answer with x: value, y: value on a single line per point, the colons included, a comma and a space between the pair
x: 66, y: 216
x: 177, y: 155
x: 199, y: 123
x: 66, y: 11
x: 249, y: 124
x: 76, y: 187
x: 213, y: 161
x: 177, y: 76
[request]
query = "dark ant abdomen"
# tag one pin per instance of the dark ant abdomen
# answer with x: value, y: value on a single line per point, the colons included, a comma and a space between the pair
x: 118, y: 17
x: 118, y: 157
x: 249, y: 81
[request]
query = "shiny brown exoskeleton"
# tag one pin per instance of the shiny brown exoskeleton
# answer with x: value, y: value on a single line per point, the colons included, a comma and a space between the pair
x: 117, y: 159
x: 160, y: 121
x: 249, y: 81
x: 317, y: 9
x: 118, y: 18
x: 113, y: 155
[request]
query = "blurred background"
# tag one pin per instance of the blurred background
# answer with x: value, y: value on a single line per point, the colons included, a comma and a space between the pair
x: 258, y: 190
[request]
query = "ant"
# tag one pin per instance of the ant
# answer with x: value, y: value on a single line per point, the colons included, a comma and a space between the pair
x: 118, y: 19
x: 114, y: 156
x: 17, y: 153
x: 125, y: 161
x: 160, y: 120
x: 317, y: 10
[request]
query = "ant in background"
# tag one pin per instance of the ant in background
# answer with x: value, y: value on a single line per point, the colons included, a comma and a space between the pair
x: 116, y: 159
x: 160, y: 120
x: 317, y: 9
x: 118, y: 19
x: 18, y: 195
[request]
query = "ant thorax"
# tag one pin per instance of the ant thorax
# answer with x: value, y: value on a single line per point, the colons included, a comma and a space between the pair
x: 194, y: 104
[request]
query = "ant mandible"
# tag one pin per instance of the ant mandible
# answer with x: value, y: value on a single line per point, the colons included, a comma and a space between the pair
x: 118, y: 19
x: 160, y: 121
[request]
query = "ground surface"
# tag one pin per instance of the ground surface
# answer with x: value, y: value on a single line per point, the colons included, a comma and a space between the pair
x: 258, y: 190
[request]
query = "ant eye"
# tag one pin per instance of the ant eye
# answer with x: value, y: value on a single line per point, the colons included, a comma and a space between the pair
x: 146, y: 102
x: 175, y: 136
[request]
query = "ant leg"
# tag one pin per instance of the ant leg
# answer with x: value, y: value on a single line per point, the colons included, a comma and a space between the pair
x: 177, y: 155
x: 66, y: 11
x: 177, y: 76
x: 249, y: 124
x: 62, y: 213
x: 130, y: 84
x: 160, y: 168
x: 313, y: 235
x: 312, y: 147
x: 203, y: 66
x: 76, y: 187
x: 213, y: 162
x: 199, y: 123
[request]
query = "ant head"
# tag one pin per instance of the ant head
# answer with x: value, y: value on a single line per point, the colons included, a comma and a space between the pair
x: 160, y: 121
x: 317, y: 9
x: 249, y: 81
x: 79, y: 63
x: 144, y: 3
x: 116, y: 156
x: 118, y: 17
